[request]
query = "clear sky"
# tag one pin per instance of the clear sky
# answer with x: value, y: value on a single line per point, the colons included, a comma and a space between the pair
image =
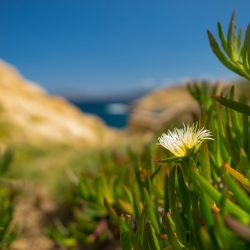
x: 108, y: 46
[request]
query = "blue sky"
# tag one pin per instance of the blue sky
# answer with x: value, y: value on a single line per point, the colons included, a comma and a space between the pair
x: 109, y: 46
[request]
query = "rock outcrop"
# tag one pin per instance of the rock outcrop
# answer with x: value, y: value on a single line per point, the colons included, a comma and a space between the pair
x: 171, y: 106
x: 29, y: 114
x: 167, y: 107
x: 163, y: 108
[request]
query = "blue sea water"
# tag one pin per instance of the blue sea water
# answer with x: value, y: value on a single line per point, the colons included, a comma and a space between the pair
x: 113, y: 114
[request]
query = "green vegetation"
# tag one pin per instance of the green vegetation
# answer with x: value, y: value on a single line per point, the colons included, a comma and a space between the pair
x: 152, y: 199
x: 234, y: 52
x: 46, y: 166
x: 7, y: 195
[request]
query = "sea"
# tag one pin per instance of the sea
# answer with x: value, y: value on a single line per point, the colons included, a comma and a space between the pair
x: 114, y: 114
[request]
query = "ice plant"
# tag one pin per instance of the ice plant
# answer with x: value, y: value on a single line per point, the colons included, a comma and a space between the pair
x: 181, y: 142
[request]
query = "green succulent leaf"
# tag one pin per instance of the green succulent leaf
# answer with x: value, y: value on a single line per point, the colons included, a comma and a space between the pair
x: 248, y: 45
x: 125, y: 235
x: 231, y: 38
x: 220, y: 55
x: 239, y: 193
x: 237, y: 106
x: 222, y: 38
x: 235, y: 55
x: 170, y: 159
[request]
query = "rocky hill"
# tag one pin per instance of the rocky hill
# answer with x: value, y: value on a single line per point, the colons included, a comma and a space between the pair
x: 29, y: 114
x: 167, y: 107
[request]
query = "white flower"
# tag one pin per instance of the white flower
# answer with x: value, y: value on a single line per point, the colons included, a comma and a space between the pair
x: 182, y: 141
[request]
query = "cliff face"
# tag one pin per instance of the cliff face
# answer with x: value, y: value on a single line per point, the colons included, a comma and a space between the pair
x: 29, y: 114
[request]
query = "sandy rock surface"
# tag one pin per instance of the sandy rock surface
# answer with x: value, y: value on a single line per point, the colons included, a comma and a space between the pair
x: 35, y: 115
